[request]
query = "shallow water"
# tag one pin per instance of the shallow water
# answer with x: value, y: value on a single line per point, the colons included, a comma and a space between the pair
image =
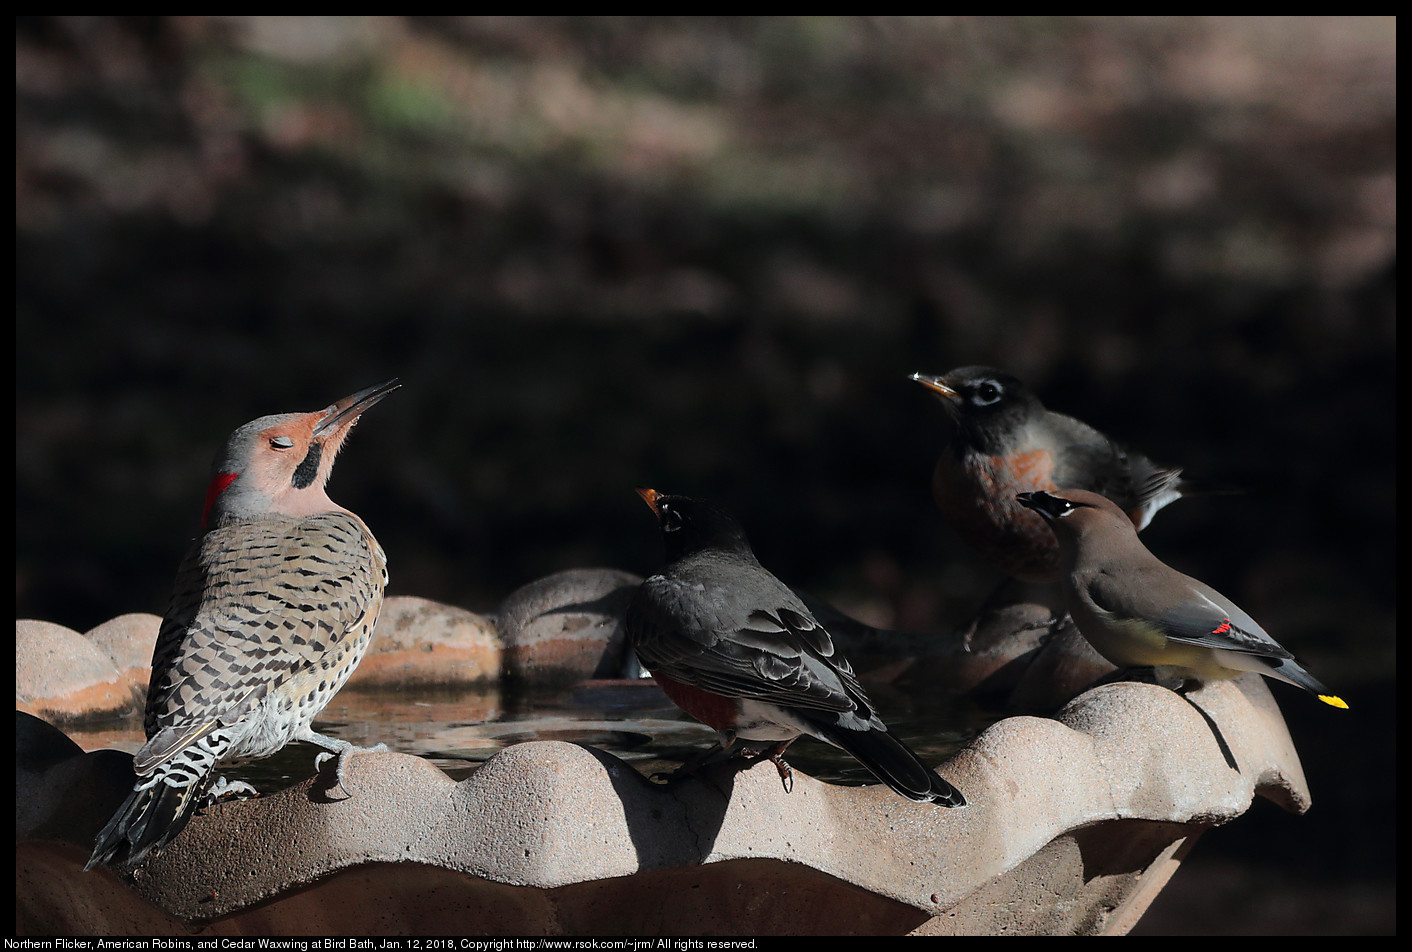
x: 458, y: 730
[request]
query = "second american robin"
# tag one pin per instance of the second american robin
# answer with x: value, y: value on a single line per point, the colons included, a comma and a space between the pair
x: 737, y: 649
x: 1003, y: 442
x: 1139, y: 612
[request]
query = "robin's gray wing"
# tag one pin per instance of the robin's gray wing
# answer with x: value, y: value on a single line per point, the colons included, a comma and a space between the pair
x: 709, y: 638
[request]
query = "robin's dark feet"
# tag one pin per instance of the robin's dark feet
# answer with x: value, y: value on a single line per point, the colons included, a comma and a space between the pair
x: 775, y: 755
x: 786, y: 772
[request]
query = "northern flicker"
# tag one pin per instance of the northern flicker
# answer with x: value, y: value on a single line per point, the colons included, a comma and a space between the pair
x: 273, y: 608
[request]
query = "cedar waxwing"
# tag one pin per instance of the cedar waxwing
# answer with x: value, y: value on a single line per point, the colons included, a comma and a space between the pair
x: 1137, y: 611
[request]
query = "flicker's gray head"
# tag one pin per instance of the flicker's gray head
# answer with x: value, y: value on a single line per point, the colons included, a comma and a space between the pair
x: 279, y: 464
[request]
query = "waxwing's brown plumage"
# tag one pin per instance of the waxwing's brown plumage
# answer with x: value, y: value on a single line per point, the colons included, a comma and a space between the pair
x: 1139, y: 612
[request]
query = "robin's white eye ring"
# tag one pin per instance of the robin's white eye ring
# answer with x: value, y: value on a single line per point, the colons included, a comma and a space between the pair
x: 986, y: 393
x: 281, y: 442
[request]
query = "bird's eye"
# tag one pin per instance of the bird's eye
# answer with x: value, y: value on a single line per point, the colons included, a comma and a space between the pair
x: 281, y: 443
x: 671, y: 519
x: 986, y: 393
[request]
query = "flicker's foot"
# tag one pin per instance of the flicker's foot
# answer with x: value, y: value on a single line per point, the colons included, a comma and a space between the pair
x: 224, y: 789
x: 336, y: 748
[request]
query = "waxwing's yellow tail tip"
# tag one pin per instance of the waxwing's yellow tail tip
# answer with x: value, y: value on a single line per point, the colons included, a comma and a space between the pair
x: 1337, y: 702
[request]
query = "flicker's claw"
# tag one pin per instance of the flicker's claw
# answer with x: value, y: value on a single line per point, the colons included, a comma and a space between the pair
x: 339, y: 769
x: 340, y: 749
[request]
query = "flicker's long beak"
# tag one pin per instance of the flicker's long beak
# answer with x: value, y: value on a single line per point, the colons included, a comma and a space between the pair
x: 938, y: 386
x: 650, y: 496
x: 346, y: 411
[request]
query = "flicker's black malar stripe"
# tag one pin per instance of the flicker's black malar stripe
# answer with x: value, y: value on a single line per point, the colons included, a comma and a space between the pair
x: 306, y: 472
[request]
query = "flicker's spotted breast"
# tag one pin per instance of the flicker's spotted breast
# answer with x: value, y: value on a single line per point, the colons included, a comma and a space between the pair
x: 268, y: 620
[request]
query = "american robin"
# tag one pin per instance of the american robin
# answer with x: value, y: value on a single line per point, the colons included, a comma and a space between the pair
x: 1002, y: 442
x: 273, y: 608
x: 1138, y: 612
x: 735, y: 648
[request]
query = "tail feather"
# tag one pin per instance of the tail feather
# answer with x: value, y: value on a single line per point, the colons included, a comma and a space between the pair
x: 1289, y: 671
x: 1156, y: 487
x: 148, y: 820
x: 895, y: 764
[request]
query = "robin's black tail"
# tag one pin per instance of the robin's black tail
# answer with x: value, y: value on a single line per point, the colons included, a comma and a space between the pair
x: 148, y: 820
x: 894, y: 763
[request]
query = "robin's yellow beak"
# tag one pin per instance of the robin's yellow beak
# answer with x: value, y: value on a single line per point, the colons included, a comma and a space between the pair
x: 936, y: 385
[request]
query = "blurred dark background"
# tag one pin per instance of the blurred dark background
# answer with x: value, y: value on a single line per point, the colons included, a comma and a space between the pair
x: 703, y: 254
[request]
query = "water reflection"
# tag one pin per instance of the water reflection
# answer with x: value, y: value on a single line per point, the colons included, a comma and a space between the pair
x: 457, y: 730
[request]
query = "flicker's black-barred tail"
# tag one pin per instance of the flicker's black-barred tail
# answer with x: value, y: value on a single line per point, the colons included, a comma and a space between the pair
x: 148, y: 820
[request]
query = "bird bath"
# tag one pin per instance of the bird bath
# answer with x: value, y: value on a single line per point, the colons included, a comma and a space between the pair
x: 482, y: 819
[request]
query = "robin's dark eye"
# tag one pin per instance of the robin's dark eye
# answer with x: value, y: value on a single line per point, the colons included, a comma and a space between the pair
x: 280, y: 442
x: 986, y: 393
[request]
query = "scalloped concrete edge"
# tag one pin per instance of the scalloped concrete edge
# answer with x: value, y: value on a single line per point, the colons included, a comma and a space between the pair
x: 1073, y: 824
